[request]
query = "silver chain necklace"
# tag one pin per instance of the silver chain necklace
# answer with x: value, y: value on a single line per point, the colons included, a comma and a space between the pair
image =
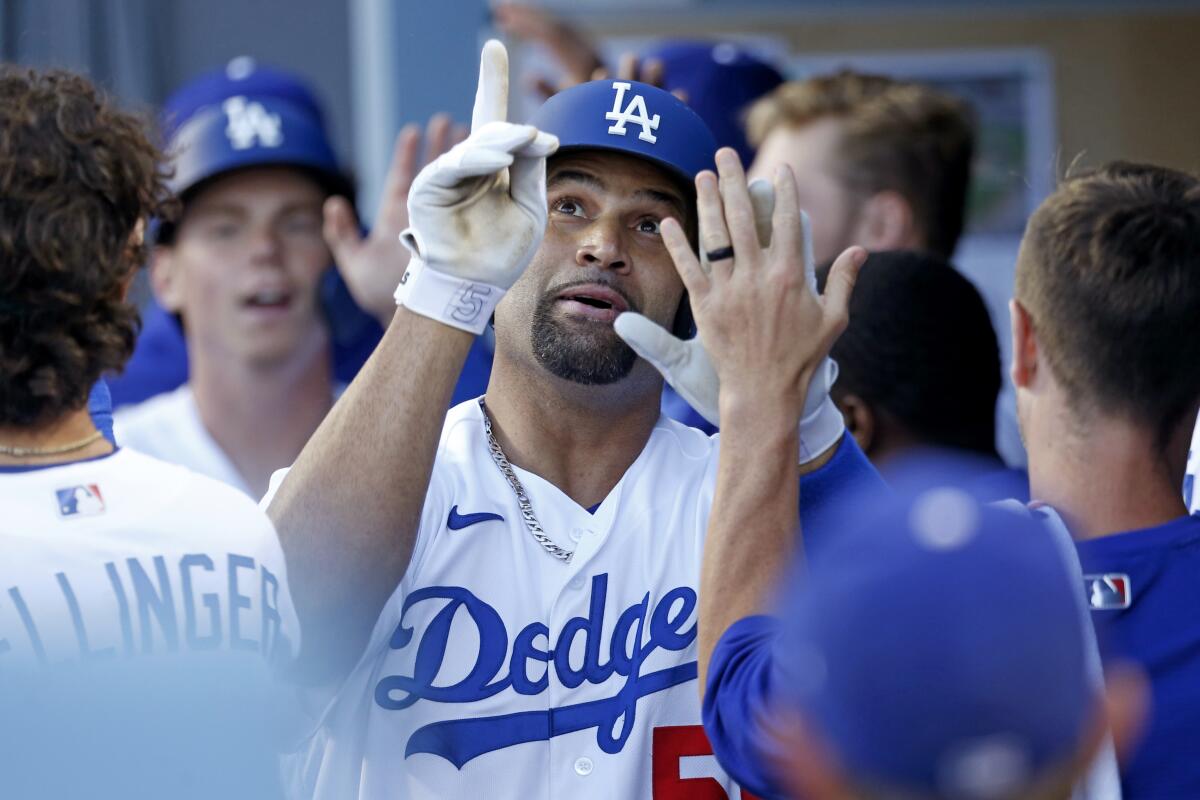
x: 531, y: 521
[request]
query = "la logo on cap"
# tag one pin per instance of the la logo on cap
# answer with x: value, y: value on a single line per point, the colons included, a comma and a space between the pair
x: 635, y: 112
x: 250, y: 122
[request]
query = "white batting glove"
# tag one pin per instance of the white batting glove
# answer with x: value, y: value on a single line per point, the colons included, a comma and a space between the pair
x: 686, y: 365
x: 478, y: 212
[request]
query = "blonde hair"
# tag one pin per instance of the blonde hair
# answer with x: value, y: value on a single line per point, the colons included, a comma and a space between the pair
x: 896, y: 136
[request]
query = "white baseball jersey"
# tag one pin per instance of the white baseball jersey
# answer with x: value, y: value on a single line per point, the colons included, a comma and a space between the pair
x: 168, y: 426
x: 496, y: 670
x: 124, y: 556
x: 142, y: 608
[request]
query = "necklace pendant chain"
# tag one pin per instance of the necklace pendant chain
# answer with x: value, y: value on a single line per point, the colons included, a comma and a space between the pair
x: 22, y: 452
x: 531, y: 521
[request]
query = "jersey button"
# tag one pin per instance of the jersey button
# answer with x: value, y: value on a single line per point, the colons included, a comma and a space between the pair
x: 576, y: 583
x: 576, y: 534
x: 583, y: 766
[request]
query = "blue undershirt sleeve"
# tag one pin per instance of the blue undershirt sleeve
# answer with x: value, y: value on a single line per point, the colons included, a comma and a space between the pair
x: 847, y: 475
x: 737, y: 695
x: 738, y: 685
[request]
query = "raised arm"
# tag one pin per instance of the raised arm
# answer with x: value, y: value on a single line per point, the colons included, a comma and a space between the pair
x: 759, y: 365
x: 348, y: 511
x: 768, y: 334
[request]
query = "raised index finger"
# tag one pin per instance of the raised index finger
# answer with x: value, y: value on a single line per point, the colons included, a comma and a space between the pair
x: 491, y: 97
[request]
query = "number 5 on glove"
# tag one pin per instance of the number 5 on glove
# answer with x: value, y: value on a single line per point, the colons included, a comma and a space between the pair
x: 477, y: 214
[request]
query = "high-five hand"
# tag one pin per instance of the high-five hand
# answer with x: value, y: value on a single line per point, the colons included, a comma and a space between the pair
x: 684, y: 362
x: 478, y: 213
x: 762, y: 325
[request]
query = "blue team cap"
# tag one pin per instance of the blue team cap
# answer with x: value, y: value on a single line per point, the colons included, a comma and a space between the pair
x: 629, y: 117
x: 721, y: 80
x: 938, y: 646
x: 247, y: 115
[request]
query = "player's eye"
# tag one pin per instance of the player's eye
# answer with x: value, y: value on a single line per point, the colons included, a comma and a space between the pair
x: 569, y: 206
x: 648, y: 225
x: 224, y: 230
x: 301, y: 224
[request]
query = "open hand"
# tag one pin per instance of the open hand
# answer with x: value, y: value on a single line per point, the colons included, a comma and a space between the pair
x: 373, y: 264
x: 763, y: 329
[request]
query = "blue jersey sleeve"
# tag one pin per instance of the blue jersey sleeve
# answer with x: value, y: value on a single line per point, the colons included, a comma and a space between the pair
x: 847, y: 475
x: 738, y: 685
x: 736, y: 697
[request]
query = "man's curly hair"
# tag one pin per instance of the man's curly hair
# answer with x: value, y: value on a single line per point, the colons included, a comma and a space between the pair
x: 78, y: 177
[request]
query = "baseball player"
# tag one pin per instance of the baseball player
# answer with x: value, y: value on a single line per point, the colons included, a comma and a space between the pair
x: 1106, y: 297
x: 934, y: 649
x: 536, y: 553
x: 246, y: 269
x: 889, y: 161
x: 126, y: 584
x: 919, y: 368
x: 1106, y: 293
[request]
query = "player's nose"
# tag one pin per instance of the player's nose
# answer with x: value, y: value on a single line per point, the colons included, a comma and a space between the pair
x: 265, y: 245
x: 602, y: 245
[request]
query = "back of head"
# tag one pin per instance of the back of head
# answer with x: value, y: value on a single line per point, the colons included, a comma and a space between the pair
x: 78, y: 179
x: 936, y: 649
x: 920, y: 346
x: 1109, y: 272
x: 896, y: 136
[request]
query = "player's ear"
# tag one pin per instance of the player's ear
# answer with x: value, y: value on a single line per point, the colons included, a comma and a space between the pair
x: 165, y: 279
x: 886, y: 222
x: 136, y: 238
x: 860, y: 419
x: 1024, y: 345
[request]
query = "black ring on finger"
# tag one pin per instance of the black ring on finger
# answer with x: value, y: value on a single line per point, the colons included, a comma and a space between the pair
x: 720, y: 254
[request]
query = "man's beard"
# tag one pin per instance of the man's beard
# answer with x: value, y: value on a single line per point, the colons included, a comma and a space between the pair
x: 584, y: 352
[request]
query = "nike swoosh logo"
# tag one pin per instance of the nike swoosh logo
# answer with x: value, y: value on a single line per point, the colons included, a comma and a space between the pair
x: 457, y: 521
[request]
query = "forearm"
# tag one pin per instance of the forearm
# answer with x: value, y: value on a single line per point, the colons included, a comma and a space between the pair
x: 752, y: 526
x: 349, y: 509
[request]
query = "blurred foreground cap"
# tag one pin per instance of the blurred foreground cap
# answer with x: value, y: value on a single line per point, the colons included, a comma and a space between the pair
x: 937, y: 645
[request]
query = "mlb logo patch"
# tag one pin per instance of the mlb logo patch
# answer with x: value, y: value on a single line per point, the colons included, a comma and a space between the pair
x: 1108, y: 592
x: 80, y: 501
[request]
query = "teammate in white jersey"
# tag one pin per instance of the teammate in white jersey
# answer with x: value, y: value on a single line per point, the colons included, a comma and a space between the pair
x: 247, y: 267
x: 143, y: 608
x: 536, y: 558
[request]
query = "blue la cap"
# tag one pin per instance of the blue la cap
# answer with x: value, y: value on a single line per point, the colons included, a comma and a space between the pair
x: 937, y: 645
x: 629, y: 117
x: 721, y: 80
x: 243, y: 116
